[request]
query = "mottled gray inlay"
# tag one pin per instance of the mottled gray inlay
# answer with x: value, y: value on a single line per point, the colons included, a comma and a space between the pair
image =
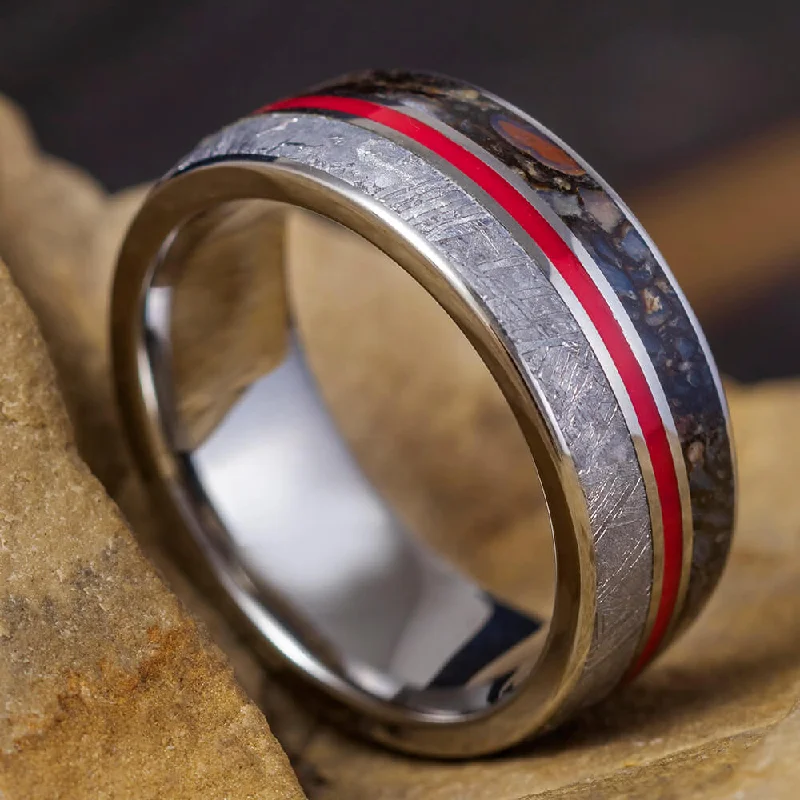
x: 542, y: 334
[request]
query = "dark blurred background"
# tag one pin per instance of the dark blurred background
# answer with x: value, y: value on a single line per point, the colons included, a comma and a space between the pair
x: 664, y: 98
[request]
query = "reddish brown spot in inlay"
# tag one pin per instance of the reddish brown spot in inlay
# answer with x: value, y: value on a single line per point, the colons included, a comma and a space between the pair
x: 538, y: 145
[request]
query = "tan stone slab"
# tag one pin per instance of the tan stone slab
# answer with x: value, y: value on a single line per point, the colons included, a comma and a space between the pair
x: 109, y: 688
x: 56, y: 225
x: 773, y: 763
x: 735, y: 675
x: 693, y: 725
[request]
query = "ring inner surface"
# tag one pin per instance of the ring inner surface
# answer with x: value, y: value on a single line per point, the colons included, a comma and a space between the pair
x: 347, y: 451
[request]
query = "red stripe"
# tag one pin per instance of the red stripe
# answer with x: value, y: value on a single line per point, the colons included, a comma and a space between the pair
x: 589, y: 296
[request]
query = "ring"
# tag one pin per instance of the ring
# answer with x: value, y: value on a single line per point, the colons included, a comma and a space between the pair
x: 581, y: 325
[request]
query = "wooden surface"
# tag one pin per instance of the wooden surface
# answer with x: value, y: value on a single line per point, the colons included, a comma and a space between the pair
x: 712, y: 718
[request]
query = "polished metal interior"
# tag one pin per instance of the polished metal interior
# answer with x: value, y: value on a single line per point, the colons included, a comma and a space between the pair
x: 242, y: 376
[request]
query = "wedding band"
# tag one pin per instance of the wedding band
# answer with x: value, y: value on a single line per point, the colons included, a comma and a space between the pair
x: 581, y: 324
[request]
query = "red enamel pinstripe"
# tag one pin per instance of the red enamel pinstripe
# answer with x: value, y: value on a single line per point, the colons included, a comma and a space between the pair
x: 589, y: 296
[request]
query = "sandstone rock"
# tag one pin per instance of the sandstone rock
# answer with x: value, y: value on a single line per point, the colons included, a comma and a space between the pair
x: 110, y: 688
x: 686, y: 725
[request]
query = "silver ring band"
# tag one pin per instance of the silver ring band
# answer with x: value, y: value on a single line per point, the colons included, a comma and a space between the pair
x: 579, y: 321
